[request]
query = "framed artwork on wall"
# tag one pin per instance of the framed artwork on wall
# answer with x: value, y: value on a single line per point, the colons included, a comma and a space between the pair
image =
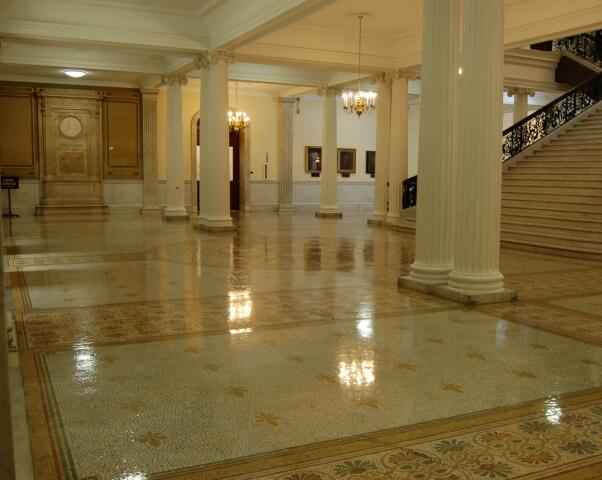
x: 371, y: 162
x: 313, y: 159
x: 346, y: 160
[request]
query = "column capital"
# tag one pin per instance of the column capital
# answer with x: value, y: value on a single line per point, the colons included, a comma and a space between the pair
x: 328, y: 91
x: 286, y: 100
x: 404, y: 73
x: 149, y: 92
x: 174, y: 79
x: 202, y: 61
x: 220, y: 55
x: 382, y: 77
x: 520, y: 91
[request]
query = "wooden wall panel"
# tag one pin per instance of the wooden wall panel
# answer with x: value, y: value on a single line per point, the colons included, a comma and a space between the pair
x: 123, y: 157
x: 18, y: 132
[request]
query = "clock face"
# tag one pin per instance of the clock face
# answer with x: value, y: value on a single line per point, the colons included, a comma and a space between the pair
x: 70, y: 127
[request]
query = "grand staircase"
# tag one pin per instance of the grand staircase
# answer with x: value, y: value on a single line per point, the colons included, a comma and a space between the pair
x: 552, y: 175
x: 552, y: 198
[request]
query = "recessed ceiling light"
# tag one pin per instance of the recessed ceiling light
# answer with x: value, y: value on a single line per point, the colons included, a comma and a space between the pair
x: 75, y: 73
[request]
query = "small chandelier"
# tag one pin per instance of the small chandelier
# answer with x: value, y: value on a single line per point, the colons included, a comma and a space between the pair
x: 237, y: 120
x: 359, y: 102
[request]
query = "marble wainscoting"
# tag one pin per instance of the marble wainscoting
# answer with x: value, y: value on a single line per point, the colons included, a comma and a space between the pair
x: 25, y: 198
x: 306, y: 195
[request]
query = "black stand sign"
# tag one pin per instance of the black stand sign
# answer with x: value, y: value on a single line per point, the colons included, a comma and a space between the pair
x: 10, y: 183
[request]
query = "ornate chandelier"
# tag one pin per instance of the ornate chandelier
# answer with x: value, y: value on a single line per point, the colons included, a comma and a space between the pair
x: 360, y: 102
x: 237, y: 120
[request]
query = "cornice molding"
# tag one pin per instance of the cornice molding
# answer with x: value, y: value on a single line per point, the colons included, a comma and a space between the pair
x: 329, y: 91
x: 527, y: 60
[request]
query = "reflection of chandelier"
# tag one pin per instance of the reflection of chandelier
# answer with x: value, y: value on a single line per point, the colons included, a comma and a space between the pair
x: 360, y: 102
x: 237, y: 120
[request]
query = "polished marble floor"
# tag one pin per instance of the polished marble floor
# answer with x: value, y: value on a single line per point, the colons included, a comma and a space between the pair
x: 286, y: 351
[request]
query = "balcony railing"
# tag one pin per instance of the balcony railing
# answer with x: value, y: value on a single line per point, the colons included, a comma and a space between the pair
x: 586, y: 45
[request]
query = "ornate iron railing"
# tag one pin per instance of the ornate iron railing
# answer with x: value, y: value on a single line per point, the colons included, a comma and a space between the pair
x: 409, y: 188
x: 551, y: 116
x: 586, y: 45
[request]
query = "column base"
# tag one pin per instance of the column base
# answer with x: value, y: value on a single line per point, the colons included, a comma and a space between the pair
x: 392, y: 219
x: 221, y: 224
x: 377, y: 219
x: 197, y: 222
x: 474, y: 298
x: 175, y: 214
x: 329, y: 212
x: 151, y: 210
x: 424, y: 274
x: 286, y: 208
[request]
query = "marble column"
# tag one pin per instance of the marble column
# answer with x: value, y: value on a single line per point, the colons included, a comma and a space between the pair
x: 476, y: 277
x: 328, y: 193
x: 7, y: 462
x: 150, y: 202
x: 437, y: 149
x: 398, y: 153
x: 383, y: 138
x: 521, y: 102
x: 176, y: 208
x: 217, y: 167
x: 285, y: 148
x: 202, y: 63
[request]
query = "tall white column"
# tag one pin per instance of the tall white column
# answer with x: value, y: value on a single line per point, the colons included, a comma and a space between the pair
x: 383, y: 138
x: 521, y: 102
x: 398, y: 154
x: 217, y: 196
x: 150, y: 202
x: 175, y: 208
x: 285, y: 144
x: 437, y: 144
x: 475, y: 277
x: 202, y: 63
x: 328, y: 194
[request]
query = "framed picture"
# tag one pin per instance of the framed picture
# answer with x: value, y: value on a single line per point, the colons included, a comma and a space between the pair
x: 346, y: 160
x: 313, y: 159
x: 371, y: 162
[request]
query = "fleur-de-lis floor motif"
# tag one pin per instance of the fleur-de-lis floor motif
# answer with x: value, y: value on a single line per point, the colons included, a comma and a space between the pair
x: 452, y: 387
x: 524, y: 374
x: 366, y: 402
x: 153, y: 439
x: 475, y: 356
x: 295, y: 358
x: 407, y: 366
x: 236, y: 391
x: 134, y: 406
x: 267, y: 418
x: 329, y: 378
x: 213, y: 367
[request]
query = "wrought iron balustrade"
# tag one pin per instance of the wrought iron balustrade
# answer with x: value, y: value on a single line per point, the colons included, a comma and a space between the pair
x: 551, y: 116
x: 409, y: 190
x: 586, y: 45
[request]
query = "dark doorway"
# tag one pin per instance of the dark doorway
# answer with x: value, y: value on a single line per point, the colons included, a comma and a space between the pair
x: 234, y: 171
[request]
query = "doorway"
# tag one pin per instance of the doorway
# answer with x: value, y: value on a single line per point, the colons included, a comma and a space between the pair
x: 234, y: 171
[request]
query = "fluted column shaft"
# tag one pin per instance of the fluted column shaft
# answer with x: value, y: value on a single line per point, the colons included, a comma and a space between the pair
x: 217, y: 166
x: 521, y: 102
x: 285, y: 149
x: 176, y: 193
x: 150, y: 200
x: 328, y: 194
x: 202, y: 64
x: 438, y: 135
x: 398, y: 153
x: 383, y: 138
x: 478, y: 192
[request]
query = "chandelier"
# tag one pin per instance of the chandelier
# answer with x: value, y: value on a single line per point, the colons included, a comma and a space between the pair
x: 237, y: 120
x: 359, y: 102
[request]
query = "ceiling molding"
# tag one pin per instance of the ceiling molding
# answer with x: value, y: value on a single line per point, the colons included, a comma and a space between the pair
x: 66, y: 81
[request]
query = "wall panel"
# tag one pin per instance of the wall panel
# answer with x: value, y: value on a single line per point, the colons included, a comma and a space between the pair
x: 123, y: 142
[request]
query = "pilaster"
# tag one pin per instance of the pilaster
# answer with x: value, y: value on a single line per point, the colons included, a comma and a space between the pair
x: 328, y: 193
x: 383, y: 138
x: 175, y: 209
x: 285, y: 149
x: 150, y: 203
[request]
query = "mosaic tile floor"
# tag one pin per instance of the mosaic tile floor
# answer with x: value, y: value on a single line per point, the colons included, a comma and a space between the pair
x: 285, y: 351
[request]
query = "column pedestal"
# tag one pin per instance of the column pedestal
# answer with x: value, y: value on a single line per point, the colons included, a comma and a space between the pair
x: 175, y: 209
x: 328, y: 194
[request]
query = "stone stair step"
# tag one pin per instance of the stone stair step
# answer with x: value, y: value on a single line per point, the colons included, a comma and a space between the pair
x: 551, y: 162
x: 550, y: 249
x: 558, y: 241
x: 576, y: 142
x: 553, y: 176
x: 580, y: 190
x: 567, y: 155
x: 512, y: 207
x: 591, y: 199
x: 557, y: 171
x: 526, y: 226
x: 543, y: 218
x: 518, y: 201
x: 514, y: 180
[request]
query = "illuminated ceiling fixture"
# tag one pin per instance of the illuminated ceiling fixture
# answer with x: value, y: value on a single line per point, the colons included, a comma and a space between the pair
x: 237, y: 120
x: 75, y: 73
x: 360, y: 102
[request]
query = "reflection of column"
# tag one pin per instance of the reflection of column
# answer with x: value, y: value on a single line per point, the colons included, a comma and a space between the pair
x: 175, y: 156
x: 476, y: 276
x: 7, y: 465
x: 202, y: 63
x: 149, y: 151
x: 437, y: 143
x: 285, y: 197
x: 383, y: 136
x: 217, y: 213
x: 398, y: 156
x: 328, y: 194
x: 521, y: 102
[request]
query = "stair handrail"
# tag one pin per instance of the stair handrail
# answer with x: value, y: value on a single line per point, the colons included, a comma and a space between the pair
x: 584, y: 45
x: 548, y: 118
